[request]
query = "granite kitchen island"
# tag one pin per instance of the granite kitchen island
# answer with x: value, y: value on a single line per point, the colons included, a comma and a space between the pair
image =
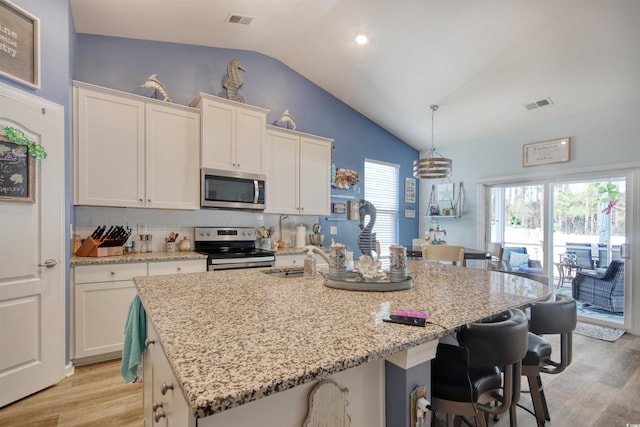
x: 244, y: 346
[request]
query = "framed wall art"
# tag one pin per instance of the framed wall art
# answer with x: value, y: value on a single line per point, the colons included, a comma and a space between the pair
x: 338, y: 208
x: 409, y: 190
x: 20, y: 38
x: 546, y: 152
x: 17, y: 173
x: 445, y: 192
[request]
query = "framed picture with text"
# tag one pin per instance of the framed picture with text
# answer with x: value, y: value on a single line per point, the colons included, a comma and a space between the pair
x: 546, y: 152
x: 20, y: 53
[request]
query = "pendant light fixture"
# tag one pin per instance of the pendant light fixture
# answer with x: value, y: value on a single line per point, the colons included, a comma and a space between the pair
x: 433, y: 165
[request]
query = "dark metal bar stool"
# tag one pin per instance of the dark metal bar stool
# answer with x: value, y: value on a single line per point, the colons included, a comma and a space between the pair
x: 485, y: 368
x: 555, y: 316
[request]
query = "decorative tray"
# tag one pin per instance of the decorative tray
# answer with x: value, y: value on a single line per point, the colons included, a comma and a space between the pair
x: 354, y: 282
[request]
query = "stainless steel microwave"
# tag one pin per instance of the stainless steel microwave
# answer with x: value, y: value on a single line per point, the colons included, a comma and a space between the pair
x: 231, y: 190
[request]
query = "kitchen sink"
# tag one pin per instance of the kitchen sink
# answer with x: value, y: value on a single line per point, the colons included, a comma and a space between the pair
x: 286, y: 274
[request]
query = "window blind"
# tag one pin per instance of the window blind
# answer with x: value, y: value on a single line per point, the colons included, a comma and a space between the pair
x: 381, y: 189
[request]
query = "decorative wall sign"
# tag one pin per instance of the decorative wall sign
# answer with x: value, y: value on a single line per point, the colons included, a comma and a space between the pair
x: 409, y: 190
x: 546, y: 152
x: 19, y: 45
x: 339, y: 208
x: 353, y: 210
x: 17, y: 173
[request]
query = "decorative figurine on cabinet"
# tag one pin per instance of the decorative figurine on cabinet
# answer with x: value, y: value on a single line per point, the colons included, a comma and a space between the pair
x: 154, y: 83
x: 234, y: 80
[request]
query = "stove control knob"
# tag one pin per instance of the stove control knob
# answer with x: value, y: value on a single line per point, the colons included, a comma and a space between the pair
x: 249, y: 233
x: 208, y: 233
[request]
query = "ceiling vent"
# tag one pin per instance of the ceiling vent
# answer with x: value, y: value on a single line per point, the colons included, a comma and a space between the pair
x: 538, y: 104
x: 236, y: 18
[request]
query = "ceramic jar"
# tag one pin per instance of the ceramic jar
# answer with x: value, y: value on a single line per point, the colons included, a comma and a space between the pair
x: 185, y: 244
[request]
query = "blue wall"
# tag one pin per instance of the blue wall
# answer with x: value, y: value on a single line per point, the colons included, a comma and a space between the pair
x: 185, y: 70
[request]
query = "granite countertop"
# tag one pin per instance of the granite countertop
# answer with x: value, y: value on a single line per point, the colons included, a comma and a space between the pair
x: 136, y: 257
x: 236, y: 336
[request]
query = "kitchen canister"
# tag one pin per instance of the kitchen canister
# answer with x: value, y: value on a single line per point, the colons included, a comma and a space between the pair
x: 301, y: 236
x: 398, y: 263
x: 185, y: 244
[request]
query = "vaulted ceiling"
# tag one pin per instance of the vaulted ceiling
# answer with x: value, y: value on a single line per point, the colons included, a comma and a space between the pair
x: 481, y: 61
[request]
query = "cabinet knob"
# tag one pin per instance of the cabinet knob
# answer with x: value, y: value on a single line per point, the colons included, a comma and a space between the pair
x: 179, y: 268
x: 158, y: 415
x: 165, y: 388
x: 156, y: 406
x: 141, y: 200
x: 148, y: 200
x: 113, y: 273
x: 148, y: 342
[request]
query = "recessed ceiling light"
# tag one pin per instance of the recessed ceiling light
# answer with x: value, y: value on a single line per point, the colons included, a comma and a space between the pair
x: 362, y: 38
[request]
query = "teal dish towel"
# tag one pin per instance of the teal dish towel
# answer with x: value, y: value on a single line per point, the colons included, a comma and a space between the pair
x: 135, y: 334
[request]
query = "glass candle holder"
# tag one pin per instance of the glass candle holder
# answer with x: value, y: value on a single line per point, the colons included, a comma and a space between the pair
x: 398, y: 263
x: 337, y: 260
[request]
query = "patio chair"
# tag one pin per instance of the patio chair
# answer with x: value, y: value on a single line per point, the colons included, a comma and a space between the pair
x: 603, y: 256
x: 520, y: 261
x: 584, y: 260
x: 605, y: 291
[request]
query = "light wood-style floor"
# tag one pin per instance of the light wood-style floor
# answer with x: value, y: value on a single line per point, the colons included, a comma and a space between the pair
x: 96, y: 395
x: 600, y: 388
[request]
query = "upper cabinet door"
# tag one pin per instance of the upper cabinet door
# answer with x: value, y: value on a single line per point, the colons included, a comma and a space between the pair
x: 233, y: 134
x: 109, y: 149
x: 250, y: 140
x: 315, y: 176
x: 282, y: 173
x: 218, y: 135
x: 298, y: 172
x: 173, y: 160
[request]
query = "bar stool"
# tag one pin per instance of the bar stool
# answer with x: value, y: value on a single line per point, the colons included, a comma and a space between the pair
x: 486, y: 367
x: 555, y: 316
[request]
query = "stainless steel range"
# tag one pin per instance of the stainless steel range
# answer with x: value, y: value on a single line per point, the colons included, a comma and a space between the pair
x: 231, y: 248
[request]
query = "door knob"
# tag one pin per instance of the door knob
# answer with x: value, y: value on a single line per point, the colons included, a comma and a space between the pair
x: 50, y: 263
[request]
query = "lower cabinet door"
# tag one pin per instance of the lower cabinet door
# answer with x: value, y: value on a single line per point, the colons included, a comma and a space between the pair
x: 101, y: 312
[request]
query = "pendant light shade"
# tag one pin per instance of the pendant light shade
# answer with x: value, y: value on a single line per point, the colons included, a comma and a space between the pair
x: 433, y: 165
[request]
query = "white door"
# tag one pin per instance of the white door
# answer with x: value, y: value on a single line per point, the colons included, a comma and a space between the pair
x: 32, y: 260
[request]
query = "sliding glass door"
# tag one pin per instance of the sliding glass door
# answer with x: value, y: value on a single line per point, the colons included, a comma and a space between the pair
x: 517, y: 221
x: 566, y: 228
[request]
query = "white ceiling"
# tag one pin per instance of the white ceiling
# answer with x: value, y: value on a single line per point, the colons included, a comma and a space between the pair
x: 481, y: 61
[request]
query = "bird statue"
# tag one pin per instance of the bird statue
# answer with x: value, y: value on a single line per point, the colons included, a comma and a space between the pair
x: 234, y: 80
x: 287, y: 121
x: 154, y: 83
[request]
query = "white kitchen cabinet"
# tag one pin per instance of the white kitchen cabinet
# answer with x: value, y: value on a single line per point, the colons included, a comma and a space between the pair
x: 298, y: 173
x: 233, y: 134
x: 102, y: 295
x: 132, y: 151
x: 172, y: 159
x: 163, y: 402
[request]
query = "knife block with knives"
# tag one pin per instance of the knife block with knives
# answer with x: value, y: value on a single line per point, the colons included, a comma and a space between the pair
x: 104, y: 243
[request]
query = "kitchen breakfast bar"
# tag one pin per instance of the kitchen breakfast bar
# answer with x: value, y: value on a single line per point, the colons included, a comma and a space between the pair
x: 242, y: 347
